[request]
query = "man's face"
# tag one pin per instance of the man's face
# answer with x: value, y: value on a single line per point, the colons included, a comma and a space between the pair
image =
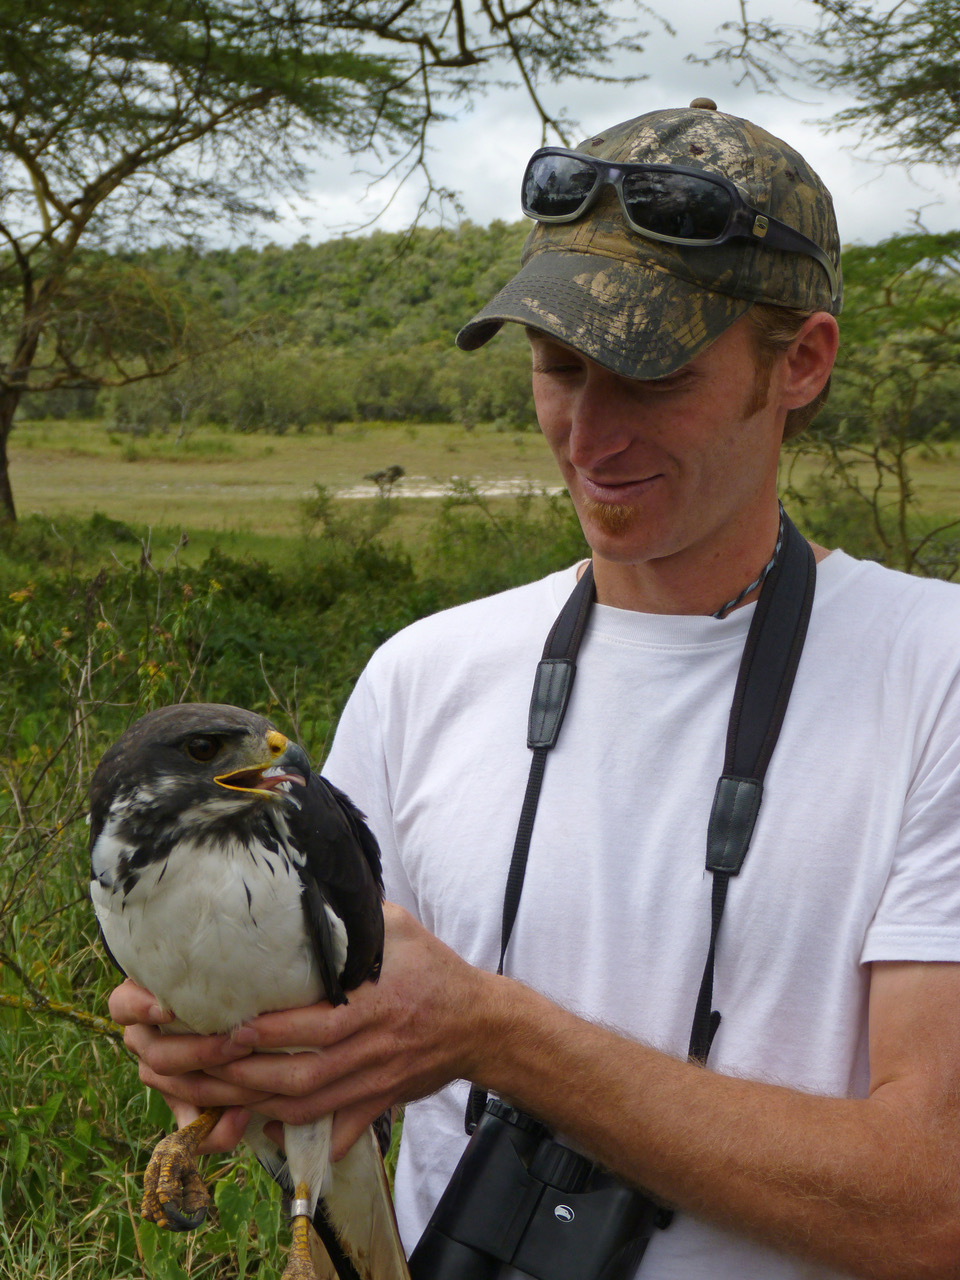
x: 657, y: 468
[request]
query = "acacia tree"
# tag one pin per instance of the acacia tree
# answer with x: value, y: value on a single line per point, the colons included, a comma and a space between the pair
x: 898, y: 59
x: 901, y: 62
x: 126, y: 120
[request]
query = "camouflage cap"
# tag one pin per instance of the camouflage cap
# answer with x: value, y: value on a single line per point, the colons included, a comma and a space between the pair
x: 643, y: 307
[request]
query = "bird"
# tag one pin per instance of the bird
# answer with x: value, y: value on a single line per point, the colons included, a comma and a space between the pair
x: 229, y: 880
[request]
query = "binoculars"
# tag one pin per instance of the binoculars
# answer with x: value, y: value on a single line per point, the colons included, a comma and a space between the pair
x: 521, y: 1206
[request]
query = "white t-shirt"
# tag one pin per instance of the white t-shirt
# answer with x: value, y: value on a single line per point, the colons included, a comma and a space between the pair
x: 855, y: 856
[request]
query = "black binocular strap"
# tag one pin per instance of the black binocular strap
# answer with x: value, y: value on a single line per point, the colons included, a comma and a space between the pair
x: 767, y: 669
x: 548, y: 705
x: 764, y: 681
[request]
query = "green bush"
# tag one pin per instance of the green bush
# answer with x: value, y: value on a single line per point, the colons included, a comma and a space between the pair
x: 95, y: 630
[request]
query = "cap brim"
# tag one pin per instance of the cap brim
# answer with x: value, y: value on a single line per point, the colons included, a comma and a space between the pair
x: 635, y: 319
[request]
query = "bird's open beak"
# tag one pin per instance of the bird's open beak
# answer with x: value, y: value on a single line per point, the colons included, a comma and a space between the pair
x: 286, y: 762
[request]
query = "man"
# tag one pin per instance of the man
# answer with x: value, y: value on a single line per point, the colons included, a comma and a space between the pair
x: 823, y: 1138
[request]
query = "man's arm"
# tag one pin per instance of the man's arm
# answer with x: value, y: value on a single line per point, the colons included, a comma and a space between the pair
x: 870, y: 1187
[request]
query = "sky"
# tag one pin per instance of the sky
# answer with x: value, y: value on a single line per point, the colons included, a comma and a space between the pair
x: 482, y: 153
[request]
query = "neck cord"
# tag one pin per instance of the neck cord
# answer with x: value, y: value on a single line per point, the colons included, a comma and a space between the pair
x: 757, y: 582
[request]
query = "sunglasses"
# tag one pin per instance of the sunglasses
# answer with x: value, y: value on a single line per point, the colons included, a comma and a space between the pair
x: 660, y: 201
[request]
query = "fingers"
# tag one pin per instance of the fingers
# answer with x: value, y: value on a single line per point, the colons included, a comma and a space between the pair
x: 366, y: 1060
x: 173, y: 1055
x: 130, y: 1003
x: 226, y: 1133
x: 288, y: 1073
x: 314, y: 1026
x: 184, y: 1113
x: 310, y: 1085
x: 274, y: 1131
x: 201, y: 1091
x: 349, y: 1124
x: 310, y: 1107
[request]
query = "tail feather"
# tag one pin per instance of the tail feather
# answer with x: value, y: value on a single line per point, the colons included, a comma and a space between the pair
x: 355, y: 1233
x: 358, y: 1204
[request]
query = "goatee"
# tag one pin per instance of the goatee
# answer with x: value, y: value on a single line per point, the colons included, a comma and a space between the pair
x: 612, y: 517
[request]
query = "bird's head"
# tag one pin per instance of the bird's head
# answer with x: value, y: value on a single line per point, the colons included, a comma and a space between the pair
x: 205, y: 760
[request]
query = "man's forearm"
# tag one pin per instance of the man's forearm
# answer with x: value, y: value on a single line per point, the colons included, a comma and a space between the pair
x: 853, y: 1183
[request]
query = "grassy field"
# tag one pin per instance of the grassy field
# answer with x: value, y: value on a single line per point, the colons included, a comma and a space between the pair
x: 222, y: 480
x: 248, y: 489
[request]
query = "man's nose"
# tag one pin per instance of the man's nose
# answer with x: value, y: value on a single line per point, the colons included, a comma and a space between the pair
x: 603, y: 421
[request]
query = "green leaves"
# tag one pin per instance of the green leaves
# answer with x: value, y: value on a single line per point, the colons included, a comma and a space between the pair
x: 901, y: 65
x: 895, y: 401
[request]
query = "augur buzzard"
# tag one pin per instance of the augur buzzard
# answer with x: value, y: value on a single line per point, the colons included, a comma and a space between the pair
x: 229, y: 880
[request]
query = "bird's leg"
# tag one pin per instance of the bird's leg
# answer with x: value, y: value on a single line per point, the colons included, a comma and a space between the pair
x: 300, y: 1263
x: 174, y: 1195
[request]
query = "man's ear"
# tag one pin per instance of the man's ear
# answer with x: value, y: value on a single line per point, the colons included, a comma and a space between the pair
x: 809, y: 360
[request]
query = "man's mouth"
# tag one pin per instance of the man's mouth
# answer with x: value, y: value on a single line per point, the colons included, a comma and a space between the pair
x: 617, y: 491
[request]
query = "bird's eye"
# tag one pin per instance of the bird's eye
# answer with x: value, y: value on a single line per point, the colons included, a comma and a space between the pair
x: 202, y: 749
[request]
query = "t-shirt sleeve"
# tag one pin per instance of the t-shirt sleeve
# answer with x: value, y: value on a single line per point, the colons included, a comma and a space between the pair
x: 357, y: 765
x: 918, y: 917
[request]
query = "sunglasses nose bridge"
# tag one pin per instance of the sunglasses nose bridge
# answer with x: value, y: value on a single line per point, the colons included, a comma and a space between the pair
x: 608, y: 175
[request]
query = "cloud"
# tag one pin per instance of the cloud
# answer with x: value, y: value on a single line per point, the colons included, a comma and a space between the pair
x: 481, y: 153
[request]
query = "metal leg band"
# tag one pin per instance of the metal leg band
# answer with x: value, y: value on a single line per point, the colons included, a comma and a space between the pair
x: 299, y: 1208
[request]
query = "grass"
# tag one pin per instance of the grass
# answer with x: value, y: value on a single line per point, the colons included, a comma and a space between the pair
x: 244, y: 493
x: 232, y: 483
x: 252, y: 483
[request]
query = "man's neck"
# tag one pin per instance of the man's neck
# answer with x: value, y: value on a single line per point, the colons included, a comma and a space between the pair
x: 698, y: 580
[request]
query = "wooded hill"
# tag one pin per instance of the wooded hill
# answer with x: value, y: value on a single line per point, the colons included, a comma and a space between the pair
x: 362, y: 328
x: 351, y: 329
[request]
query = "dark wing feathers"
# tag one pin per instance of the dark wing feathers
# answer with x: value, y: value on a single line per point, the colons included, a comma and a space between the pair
x: 321, y: 939
x: 365, y: 837
x: 331, y: 834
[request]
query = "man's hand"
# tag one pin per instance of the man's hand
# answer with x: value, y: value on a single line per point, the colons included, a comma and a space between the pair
x: 187, y: 1094
x: 406, y: 1036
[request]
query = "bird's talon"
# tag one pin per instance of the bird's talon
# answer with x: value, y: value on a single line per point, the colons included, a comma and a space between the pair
x: 174, y: 1220
x: 174, y: 1195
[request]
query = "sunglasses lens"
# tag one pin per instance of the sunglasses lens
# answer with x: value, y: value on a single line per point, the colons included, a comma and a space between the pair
x: 676, y: 204
x: 556, y: 186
